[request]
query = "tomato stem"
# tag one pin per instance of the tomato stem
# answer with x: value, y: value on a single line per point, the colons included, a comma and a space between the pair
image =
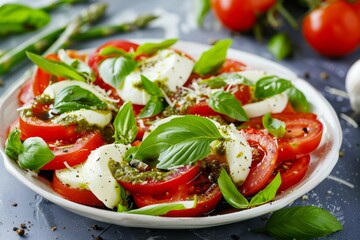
x: 287, y: 16
x: 258, y: 32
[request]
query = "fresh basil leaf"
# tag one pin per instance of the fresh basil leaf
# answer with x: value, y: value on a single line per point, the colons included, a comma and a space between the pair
x: 36, y: 153
x: 268, y: 193
x: 17, y: 18
x: 13, y: 144
x: 130, y: 153
x: 298, y: 100
x: 203, y: 8
x: 225, y: 103
x: 163, y: 208
x: 153, y: 107
x: 280, y: 46
x: 150, y: 87
x: 78, y: 65
x: 226, y: 79
x: 274, y: 126
x: 212, y: 60
x: 125, y: 124
x: 56, y: 68
x: 151, y: 48
x: 181, y: 141
x: 301, y: 222
x: 230, y: 192
x: 74, y: 98
x: 108, y: 51
x: 271, y: 85
x: 114, y: 70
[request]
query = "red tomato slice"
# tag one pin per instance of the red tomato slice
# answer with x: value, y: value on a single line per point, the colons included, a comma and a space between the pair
x: 26, y: 93
x: 76, y: 153
x: 50, y: 132
x: 180, y: 176
x: 232, y: 66
x: 303, y: 134
x: 264, y: 161
x: 41, y: 78
x: 201, y: 109
x: 292, y: 171
x: 81, y: 196
x: 208, y: 194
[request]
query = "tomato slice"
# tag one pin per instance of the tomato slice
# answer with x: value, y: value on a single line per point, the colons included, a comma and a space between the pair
x: 82, y: 196
x: 291, y: 171
x: 263, y: 163
x: 50, y: 132
x: 201, y: 109
x: 303, y: 134
x: 208, y: 194
x: 180, y: 176
x: 231, y: 65
x: 26, y: 93
x: 74, y: 154
x: 42, y: 79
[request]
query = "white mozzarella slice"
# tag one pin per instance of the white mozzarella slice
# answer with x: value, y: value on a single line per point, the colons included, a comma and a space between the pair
x: 274, y: 104
x: 237, y: 151
x: 72, y: 176
x: 98, y: 176
x: 168, y: 67
x: 93, y: 118
x: 253, y: 74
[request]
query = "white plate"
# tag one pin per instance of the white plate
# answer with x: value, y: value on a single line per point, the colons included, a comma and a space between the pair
x: 323, y: 159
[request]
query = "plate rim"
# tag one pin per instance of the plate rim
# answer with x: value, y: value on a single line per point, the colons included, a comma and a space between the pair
x: 132, y: 220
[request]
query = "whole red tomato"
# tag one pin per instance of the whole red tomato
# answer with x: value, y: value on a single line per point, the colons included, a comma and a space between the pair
x: 239, y: 15
x: 333, y: 30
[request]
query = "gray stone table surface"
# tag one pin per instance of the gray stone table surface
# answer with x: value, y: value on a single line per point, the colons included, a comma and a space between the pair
x: 339, y: 193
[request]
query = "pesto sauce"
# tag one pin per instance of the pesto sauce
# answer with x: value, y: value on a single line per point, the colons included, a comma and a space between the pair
x: 124, y: 172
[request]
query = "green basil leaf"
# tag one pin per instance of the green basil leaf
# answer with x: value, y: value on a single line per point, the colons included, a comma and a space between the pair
x: 13, y: 144
x: 56, y: 68
x: 109, y: 51
x: 163, y: 208
x: 301, y: 222
x: 130, y: 153
x: 298, y: 100
x: 150, y: 87
x: 274, y: 126
x: 78, y: 65
x: 125, y: 124
x: 151, y: 48
x: 212, y: 60
x: 17, y: 18
x: 280, y: 46
x: 230, y: 192
x: 36, y: 154
x: 74, y: 98
x: 180, y: 141
x: 268, y: 193
x: 225, y: 103
x: 153, y: 107
x: 114, y: 70
x: 271, y: 85
x: 203, y: 8
x: 225, y: 79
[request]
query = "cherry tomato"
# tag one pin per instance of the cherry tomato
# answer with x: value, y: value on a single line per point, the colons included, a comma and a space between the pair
x: 180, y: 176
x: 42, y: 79
x: 356, y: 6
x: 82, y: 196
x: 74, y: 154
x: 239, y: 15
x: 208, y: 195
x: 291, y: 172
x: 333, y: 30
x: 303, y: 134
x: 263, y: 163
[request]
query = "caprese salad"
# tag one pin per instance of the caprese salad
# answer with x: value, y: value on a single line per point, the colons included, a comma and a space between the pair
x: 147, y: 129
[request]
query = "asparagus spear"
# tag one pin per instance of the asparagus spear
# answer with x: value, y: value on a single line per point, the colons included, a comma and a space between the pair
x: 103, y: 31
x: 88, y: 15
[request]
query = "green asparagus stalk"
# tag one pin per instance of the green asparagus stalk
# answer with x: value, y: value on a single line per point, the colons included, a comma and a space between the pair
x: 104, y: 31
x: 36, y: 44
x: 55, y: 4
x: 91, y: 14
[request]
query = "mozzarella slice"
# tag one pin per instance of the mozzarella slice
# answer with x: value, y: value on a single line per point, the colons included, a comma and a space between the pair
x: 73, y: 177
x: 167, y: 67
x: 98, y: 176
x: 237, y: 151
x: 93, y: 118
x: 274, y: 104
